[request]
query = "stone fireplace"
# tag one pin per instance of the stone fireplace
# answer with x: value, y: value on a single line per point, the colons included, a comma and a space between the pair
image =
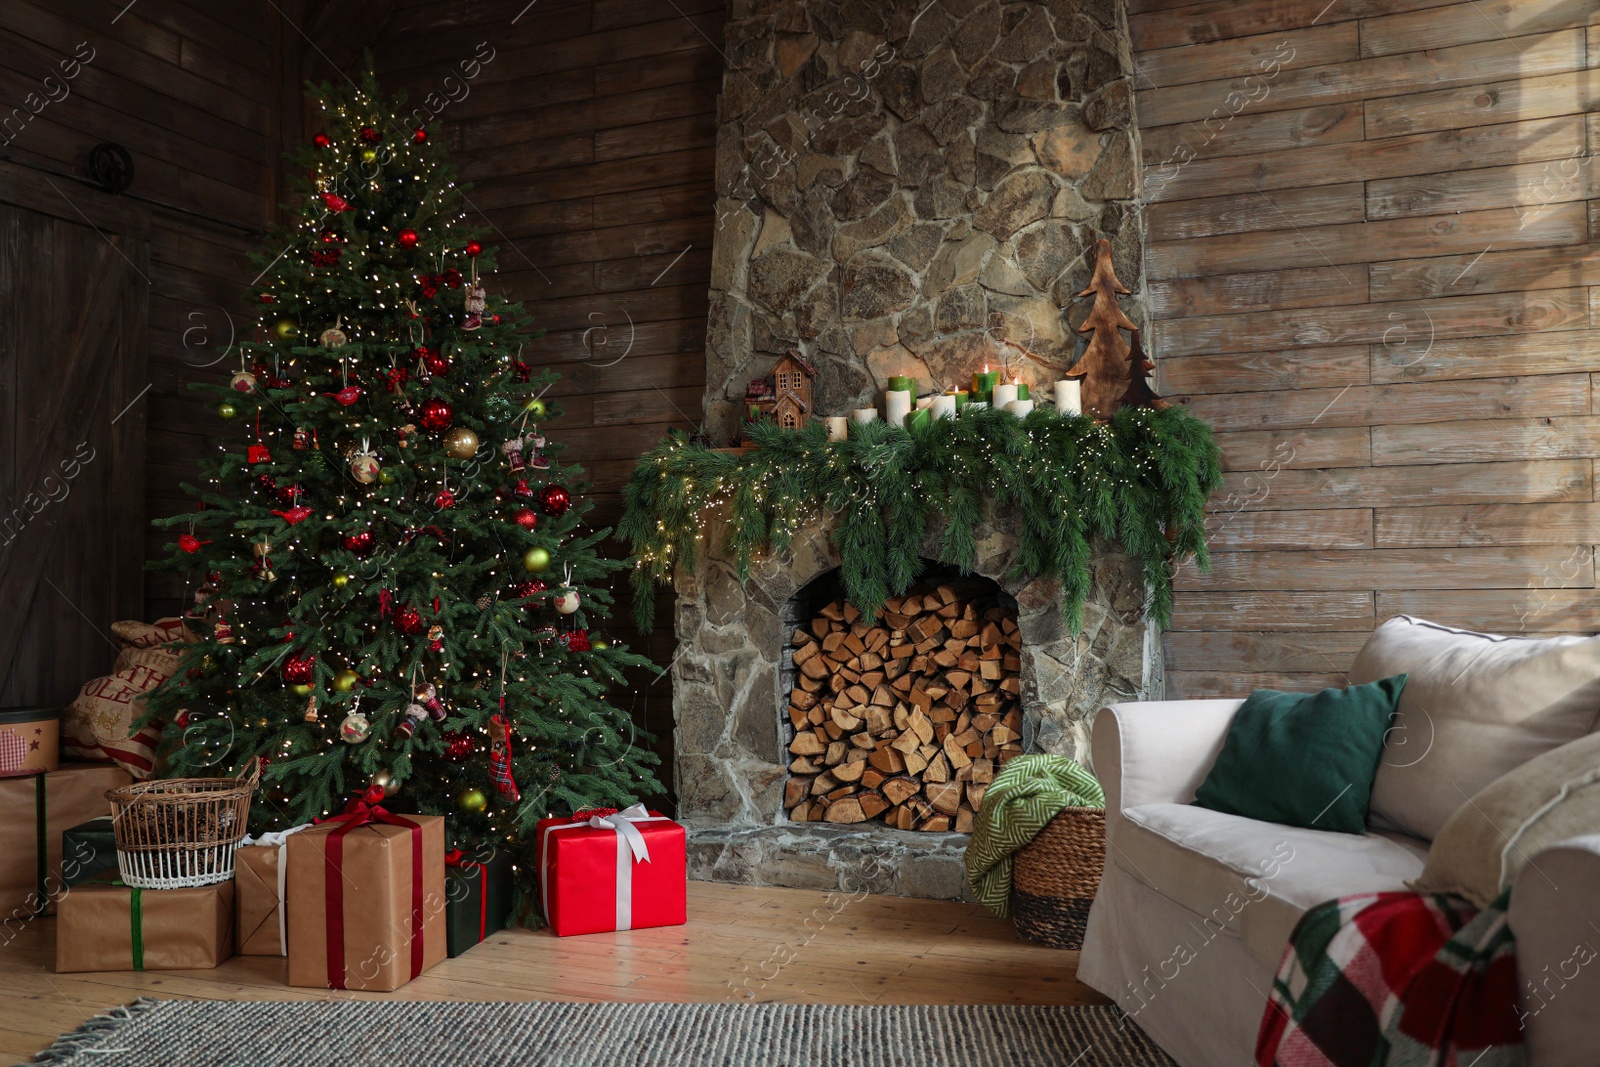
x: 903, y: 188
x: 732, y: 680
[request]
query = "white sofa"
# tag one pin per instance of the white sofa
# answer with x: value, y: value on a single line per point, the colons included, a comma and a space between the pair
x: 1195, y: 906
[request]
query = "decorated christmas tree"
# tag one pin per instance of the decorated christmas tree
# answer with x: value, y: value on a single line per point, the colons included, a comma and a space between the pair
x: 393, y: 583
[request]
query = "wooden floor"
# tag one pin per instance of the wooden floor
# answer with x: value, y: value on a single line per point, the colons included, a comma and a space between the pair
x: 742, y: 943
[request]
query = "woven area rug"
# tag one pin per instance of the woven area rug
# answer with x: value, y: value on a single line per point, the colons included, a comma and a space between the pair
x: 215, y: 1033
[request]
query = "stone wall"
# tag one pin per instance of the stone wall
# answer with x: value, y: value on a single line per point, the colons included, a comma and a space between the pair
x: 729, y: 709
x: 900, y: 192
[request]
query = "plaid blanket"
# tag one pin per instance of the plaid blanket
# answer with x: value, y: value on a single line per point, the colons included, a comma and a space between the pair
x: 1395, y: 980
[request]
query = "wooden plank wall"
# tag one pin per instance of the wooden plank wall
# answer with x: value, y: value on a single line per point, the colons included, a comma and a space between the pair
x: 1372, y: 266
x: 588, y: 138
x: 185, y: 87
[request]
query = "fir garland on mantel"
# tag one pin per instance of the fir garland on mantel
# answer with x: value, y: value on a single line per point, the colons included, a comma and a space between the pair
x: 1140, y: 480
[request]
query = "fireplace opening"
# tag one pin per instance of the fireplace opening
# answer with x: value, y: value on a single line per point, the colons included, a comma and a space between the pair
x: 907, y: 720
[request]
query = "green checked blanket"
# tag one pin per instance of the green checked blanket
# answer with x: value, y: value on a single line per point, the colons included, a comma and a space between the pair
x: 1029, y: 792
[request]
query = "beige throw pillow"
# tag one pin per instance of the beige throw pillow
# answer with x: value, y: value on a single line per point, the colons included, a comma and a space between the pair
x: 1489, y: 839
x: 1475, y: 707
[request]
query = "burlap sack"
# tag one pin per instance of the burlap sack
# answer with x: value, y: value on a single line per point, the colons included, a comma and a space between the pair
x: 98, y: 726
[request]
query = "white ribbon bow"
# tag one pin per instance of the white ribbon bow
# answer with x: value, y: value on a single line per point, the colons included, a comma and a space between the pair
x: 622, y: 822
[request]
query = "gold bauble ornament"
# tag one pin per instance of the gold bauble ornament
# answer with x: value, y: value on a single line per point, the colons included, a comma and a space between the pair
x: 368, y: 155
x: 472, y: 800
x: 341, y: 580
x: 226, y: 410
x: 536, y: 559
x: 346, y: 680
x: 286, y: 328
x: 302, y: 690
x: 461, y: 443
x: 385, y: 781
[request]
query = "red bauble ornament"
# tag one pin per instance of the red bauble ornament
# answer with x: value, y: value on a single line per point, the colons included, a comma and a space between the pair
x: 321, y: 140
x: 445, y: 499
x: 407, y: 238
x: 526, y: 518
x: 409, y: 621
x: 267, y: 482
x: 335, y: 202
x: 299, y: 670
x: 532, y: 587
x: 288, y: 494
x: 436, y: 415
x: 330, y: 236
x: 419, y: 135
x: 369, y: 134
x: 267, y: 298
x: 458, y: 746
x: 361, y: 543
x: 495, y: 319
x: 555, y: 500
x: 474, y: 248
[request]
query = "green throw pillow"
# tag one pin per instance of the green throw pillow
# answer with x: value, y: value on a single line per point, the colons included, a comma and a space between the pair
x: 1304, y: 759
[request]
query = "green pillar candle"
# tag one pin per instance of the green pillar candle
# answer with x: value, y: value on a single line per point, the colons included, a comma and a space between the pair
x: 902, y: 383
x: 919, y: 418
x: 961, y: 398
x: 983, y: 382
x: 1022, y: 391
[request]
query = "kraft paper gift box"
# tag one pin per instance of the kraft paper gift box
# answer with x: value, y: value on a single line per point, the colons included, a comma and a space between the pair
x: 104, y: 925
x: 606, y: 870
x: 478, y: 889
x: 260, y: 868
x: 34, y: 811
x: 366, y: 898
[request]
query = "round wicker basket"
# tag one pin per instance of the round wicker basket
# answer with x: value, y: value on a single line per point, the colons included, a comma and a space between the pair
x: 1054, y: 878
x: 178, y: 832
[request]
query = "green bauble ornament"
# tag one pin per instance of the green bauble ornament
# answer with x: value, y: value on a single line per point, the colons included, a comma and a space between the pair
x: 386, y: 476
x: 472, y: 800
x: 226, y: 410
x: 341, y: 580
x: 536, y: 559
x: 368, y: 155
x: 286, y: 328
x: 301, y: 690
x: 535, y: 407
x: 600, y: 646
x: 346, y: 680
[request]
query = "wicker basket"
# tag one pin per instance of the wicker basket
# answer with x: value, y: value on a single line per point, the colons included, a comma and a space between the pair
x: 1055, y: 877
x: 181, y: 832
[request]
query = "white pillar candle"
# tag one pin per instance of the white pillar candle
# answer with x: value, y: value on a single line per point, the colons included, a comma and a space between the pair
x: 864, y: 415
x: 838, y: 427
x: 924, y: 402
x: 944, y: 406
x: 1004, y: 393
x: 1069, y: 397
x: 896, y: 406
x: 1019, y: 408
x: 976, y: 405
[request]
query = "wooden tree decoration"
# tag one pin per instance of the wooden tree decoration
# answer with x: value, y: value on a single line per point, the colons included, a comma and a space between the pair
x: 1101, y: 368
x: 1139, y: 394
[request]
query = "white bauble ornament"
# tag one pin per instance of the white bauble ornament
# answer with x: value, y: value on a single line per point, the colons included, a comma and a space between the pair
x: 567, y: 601
x: 355, y: 728
x: 364, y: 465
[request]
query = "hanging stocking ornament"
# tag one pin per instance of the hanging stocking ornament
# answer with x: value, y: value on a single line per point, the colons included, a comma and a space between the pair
x: 539, y: 462
x: 415, y: 713
x: 476, y: 302
x: 513, y: 451
x: 427, y: 694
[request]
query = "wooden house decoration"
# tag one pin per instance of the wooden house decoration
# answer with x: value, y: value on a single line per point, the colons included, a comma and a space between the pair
x: 784, y: 395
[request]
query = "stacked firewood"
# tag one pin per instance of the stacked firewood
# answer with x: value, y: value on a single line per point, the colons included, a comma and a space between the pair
x: 909, y: 720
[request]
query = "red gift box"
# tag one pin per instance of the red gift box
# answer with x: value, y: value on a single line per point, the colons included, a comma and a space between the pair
x: 607, y: 870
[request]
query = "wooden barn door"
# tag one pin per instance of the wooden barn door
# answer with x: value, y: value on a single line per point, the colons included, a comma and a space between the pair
x: 73, y: 302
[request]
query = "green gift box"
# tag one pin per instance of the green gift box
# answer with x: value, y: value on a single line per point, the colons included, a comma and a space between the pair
x: 87, y: 850
x: 477, y: 889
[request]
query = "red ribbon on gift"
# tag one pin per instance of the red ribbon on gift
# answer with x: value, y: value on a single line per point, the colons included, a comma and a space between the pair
x: 362, y: 811
x: 456, y: 858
